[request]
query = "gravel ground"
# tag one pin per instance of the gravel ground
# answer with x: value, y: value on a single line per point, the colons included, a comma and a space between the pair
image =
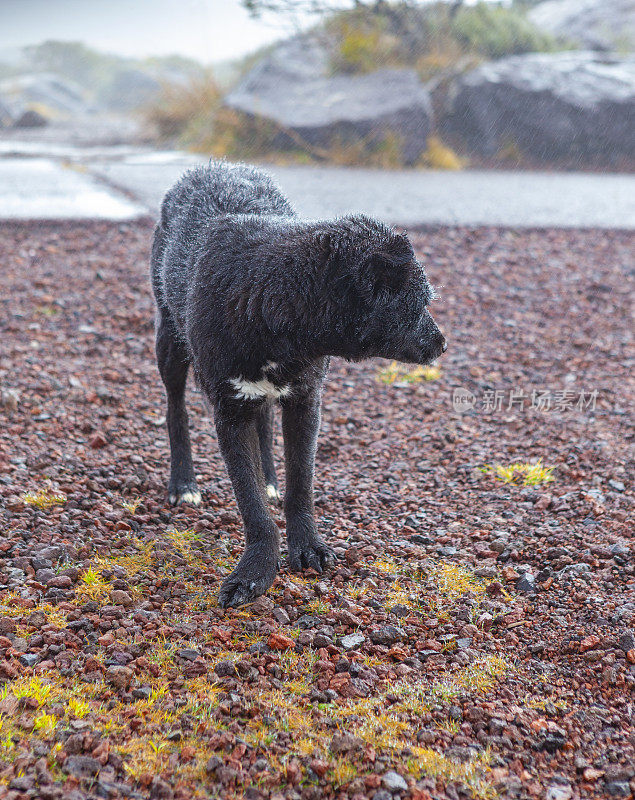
x: 476, y: 636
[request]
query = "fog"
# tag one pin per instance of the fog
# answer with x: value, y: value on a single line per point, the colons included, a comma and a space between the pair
x: 207, y: 30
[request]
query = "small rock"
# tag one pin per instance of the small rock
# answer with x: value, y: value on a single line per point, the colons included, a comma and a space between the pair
x: 321, y: 640
x: 121, y: 598
x: 82, y: 766
x: 526, y: 583
x: 36, y: 619
x: 7, y: 625
x: 22, y: 783
x: 496, y: 726
x: 98, y: 441
x: 307, y: 621
x: 119, y: 677
x: 278, y: 641
x: 225, y: 669
x: 213, y: 764
x: 620, y: 550
x: 592, y: 774
x: 281, y: 616
x: 552, y: 740
x: 417, y: 538
x: 394, y: 782
x: 617, y: 485
x: 60, y: 582
x: 29, y: 659
x: 618, y: 789
x: 352, y: 641
x: 7, y: 670
x: 263, y: 605
x: 387, y: 635
x: 399, y: 610
x: 558, y: 791
x: 160, y: 789
x: 345, y: 743
x: 188, y: 654
x: 9, y: 399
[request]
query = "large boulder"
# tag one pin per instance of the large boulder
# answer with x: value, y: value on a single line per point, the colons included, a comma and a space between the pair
x: 45, y: 93
x: 292, y: 90
x: 594, y: 24
x: 6, y: 117
x: 129, y: 89
x: 572, y: 106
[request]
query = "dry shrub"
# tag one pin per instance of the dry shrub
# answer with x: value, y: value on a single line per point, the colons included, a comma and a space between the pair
x: 440, y: 156
x: 181, y: 110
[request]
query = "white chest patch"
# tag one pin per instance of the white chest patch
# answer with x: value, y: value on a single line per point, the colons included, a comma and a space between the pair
x: 258, y: 390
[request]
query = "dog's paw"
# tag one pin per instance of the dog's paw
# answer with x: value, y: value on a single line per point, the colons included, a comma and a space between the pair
x: 255, y: 573
x: 310, y: 554
x: 186, y: 493
x: 237, y: 591
x: 273, y: 494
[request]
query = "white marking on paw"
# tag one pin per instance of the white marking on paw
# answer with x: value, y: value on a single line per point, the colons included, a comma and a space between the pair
x: 258, y: 390
x: 272, y: 492
x: 190, y: 497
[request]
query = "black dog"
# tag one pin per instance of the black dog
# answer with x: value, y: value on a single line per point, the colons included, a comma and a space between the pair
x: 257, y: 300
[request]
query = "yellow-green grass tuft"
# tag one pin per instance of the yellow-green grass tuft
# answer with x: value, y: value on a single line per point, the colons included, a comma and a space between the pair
x: 521, y: 474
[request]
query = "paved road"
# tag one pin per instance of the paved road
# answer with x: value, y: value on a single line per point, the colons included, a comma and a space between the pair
x: 40, y: 188
x: 469, y: 197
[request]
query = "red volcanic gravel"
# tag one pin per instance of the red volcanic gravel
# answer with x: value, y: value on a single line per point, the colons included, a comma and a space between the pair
x: 476, y: 637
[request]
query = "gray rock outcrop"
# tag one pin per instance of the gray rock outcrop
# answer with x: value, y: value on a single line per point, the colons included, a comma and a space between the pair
x: 292, y: 90
x: 593, y: 24
x: 129, y: 90
x: 45, y: 93
x: 570, y: 105
x: 6, y: 117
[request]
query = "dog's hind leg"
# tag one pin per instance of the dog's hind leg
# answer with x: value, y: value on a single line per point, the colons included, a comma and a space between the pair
x: 265, y: 422
x: 173, y: 364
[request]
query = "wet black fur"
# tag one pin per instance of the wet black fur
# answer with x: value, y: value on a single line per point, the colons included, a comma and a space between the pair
x: 241, y: 281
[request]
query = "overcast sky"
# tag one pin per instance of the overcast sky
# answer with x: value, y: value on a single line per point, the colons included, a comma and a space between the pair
x: 208, y: 30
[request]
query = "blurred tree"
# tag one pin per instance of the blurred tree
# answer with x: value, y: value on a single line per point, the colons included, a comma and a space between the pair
x: 256, y: 7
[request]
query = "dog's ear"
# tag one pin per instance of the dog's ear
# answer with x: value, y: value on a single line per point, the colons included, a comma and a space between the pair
x: 385, y: 272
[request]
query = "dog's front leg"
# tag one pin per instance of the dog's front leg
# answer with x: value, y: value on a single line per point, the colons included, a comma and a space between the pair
x: 256, y: 570
x: 300, y: 425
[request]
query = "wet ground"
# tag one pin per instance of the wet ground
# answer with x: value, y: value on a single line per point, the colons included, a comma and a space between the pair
x: 476, y: 636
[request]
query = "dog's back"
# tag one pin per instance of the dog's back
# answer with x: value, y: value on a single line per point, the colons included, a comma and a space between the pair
x: 220, y: 188
x: 203, y: 194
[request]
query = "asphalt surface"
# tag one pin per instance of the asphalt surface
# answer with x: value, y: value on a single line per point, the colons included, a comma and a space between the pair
x: 516, y: 199
x: 118, y: 182
x: 42, y: 188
